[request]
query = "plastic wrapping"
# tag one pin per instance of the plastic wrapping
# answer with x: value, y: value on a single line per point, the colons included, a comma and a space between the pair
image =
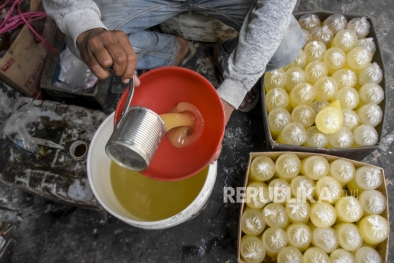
x: 15, y: 127
x: 336, y: 22
x: 309, y: 21
x: 252, y: 222
x: 300, y: 60
x: 325, y: 238
x: 323, y: 34
x: 314, y: 50
x: 367, y: 43
x: 360, y: 25
x: 371, y: 74
x: 74, y: 75
x: 371, y: 93
x: 368, y: 254
x: 345, y: 40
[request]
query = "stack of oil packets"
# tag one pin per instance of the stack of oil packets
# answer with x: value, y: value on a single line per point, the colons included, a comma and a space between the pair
x: 330, y: 95
x: 304, y: 207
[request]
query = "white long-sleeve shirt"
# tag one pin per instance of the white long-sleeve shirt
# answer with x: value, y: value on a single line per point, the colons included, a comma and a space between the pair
x: 259, y: 38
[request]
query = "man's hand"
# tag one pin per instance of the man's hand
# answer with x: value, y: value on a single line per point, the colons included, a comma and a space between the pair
x: 228, y: 110
x: 101, y: 49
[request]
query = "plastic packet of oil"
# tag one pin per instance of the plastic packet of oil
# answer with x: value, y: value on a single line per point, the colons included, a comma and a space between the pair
x: 15, y: 127
x: 360, y: 25
x: 368, y: 44
x: 336, y: 22
x: 323, y: 34
x: 309, y: 21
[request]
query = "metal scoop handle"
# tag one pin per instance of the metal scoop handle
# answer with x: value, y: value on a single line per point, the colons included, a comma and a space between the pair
x: 127, y: 106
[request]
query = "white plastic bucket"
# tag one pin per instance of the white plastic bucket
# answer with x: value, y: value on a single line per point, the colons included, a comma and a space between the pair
x: 98, y: 167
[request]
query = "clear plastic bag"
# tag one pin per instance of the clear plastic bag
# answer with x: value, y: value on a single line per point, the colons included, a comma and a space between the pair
x: 360, y: 25
x: 368, y: 44
x: 323, y: 34
x: 309, y: 21
x: 74, y: 75
x: 15, y: 129
x: 336, y: 22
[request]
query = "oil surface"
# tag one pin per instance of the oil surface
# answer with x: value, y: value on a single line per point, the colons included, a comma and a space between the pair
x: 153, y: 200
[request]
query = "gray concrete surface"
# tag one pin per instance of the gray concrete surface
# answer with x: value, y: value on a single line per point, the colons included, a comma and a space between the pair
x: 44, y: 231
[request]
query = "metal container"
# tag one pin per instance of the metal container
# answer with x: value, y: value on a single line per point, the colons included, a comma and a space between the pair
x: 135, y: 140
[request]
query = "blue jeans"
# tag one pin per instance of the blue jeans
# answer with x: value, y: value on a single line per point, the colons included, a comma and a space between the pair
x: 155, y: 50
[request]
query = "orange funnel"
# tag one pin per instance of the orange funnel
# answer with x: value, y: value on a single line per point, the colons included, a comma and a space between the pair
x: 161, y: 90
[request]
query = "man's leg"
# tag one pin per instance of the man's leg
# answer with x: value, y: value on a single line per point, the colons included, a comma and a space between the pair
x: 133, y: 17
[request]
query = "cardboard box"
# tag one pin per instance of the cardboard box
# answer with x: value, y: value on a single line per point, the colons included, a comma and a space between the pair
x: 382, y: 248
x: 352, y: 153
x: 22, y: 65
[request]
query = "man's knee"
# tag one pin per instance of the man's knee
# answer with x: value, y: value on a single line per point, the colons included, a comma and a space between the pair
x: 291, y: 45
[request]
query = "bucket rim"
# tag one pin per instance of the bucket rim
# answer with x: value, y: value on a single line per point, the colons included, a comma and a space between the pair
x: 189, y: 212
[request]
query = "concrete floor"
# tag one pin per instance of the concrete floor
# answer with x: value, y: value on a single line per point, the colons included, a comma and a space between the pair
x: 44, y: 231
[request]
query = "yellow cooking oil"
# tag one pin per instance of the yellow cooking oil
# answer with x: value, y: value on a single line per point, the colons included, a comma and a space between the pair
x: 172, y: 120
x: 153, y: 200
x: 184, y: 124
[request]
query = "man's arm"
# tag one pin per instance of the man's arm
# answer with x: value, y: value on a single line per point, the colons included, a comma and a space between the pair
x: 74, y: 17
x: 98, y: 48
x: 259, y: 38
